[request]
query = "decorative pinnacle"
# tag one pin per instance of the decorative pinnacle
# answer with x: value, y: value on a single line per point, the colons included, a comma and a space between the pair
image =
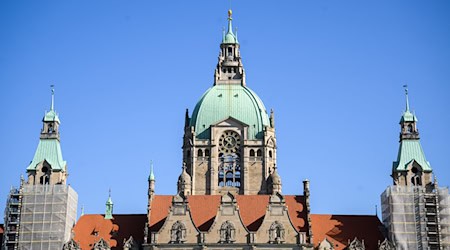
x: 152, y: 175
x: 230, y: 25
x: 53, y: 97
x: 406, y: 94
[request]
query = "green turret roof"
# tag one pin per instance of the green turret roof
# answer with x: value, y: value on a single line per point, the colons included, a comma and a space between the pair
x: 151, y: 177
x: 109, y: 207
x: 50, y: 151
x: 223, y: 101
x: 51, y: 116
x: 407, y: 116
x: 230, y: 37
x: 410, y: 150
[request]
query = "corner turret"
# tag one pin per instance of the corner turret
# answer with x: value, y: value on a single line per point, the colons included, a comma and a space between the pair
x: 184, y: 182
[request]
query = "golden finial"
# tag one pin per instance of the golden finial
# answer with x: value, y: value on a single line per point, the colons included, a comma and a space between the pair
x: 229, y: 13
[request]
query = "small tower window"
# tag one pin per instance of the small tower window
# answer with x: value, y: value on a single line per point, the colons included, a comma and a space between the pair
x: 206, y: 152
x: 200, y: 153
x: 270, y: 153
x: 410, y: 128
x: 252, y: 153
x: 259, y: 153
x: 50, y: 128
x: 230, y: 51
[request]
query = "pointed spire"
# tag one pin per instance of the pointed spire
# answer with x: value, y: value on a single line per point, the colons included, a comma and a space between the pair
x: 272, y: 118
x: 52, y: 106
x: 151, y: 177
x: 109, y: 207
x: 406, y: 94
x: 230, y: 25
x: 230, y: 37
x: 186, y: 119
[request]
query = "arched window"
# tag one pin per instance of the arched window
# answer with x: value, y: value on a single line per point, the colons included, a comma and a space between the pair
x: 259, y: 153
x: 200, y: 153
x: 206, y: 152
x: 252, y: 153
x: 270, y: 153
x: 230, y: 171
x: 410, y: 128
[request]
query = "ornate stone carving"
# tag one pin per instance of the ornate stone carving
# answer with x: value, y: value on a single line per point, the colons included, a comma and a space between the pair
x: 130, y: 244
x: 101, y: 245
x: 178, y: 232
x: 325, y: 245
x: 227, y: 232
x: 71, y: 245
x: 356, y: 245
x: 386, y: 245
x: 276, y: 233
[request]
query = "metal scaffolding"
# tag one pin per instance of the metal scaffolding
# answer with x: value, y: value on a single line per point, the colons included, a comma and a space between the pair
x: 417, y: 217
x: 44, y: 219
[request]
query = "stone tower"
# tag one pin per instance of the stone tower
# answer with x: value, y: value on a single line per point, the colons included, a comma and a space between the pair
x: 411, y: 167
x: 41, y: 213
x: 229, y: 142
x: 415, y: 209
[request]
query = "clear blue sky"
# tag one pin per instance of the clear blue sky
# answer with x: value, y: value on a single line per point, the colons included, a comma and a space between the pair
x: 126, y: 70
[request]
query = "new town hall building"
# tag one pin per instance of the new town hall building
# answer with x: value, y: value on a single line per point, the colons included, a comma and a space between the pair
x: 229, y: 190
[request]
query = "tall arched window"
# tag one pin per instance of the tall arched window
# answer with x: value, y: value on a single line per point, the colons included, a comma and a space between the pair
x: 200, y: 153
x: 252, y: 153
x: 230, y: 171
x: 229, y: 159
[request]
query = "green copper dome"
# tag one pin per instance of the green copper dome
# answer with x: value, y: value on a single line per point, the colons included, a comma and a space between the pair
x: 223, y: 101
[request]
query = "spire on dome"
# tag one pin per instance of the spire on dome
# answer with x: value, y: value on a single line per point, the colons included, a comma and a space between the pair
x: 230, y: 37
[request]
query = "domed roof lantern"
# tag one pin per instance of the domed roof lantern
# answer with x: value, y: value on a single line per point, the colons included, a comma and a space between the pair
x: 230, y: 37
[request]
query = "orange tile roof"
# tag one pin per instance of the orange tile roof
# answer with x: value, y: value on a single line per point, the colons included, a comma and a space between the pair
x: 91, y: 227
x: 204, y: 209
x: 338, y: 229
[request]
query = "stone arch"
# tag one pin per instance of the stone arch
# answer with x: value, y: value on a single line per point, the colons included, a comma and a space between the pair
x: 227, y: 232
x: 276, y: 233
x: 178, y: 232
